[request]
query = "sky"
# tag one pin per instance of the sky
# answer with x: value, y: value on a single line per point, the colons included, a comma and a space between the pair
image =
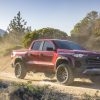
x: 60, y: 14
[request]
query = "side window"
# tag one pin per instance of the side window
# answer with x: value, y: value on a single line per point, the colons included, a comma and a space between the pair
x: 36, y: 45
x: 47, y: 44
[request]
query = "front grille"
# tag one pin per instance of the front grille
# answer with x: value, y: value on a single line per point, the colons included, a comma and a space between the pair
x: 77, y: 63
x: 93, y: 60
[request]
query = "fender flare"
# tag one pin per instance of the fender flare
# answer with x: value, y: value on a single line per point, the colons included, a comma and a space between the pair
x: 17, y: 58
x: 61, y: 58
x: 69, y: 61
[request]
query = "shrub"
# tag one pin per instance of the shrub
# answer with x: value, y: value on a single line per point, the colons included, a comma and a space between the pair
x: 44, y: 33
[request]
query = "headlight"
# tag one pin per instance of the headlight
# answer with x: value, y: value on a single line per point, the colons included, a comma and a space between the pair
x: 78, y: 55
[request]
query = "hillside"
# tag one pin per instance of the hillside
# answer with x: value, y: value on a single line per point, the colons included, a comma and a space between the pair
x: 2, y: 32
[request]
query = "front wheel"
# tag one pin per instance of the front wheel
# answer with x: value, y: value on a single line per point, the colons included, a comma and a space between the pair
x: 20, y: 70
x: 64, y: 74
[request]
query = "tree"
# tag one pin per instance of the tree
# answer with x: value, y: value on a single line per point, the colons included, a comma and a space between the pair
x: 44, y: 33
x: 87, y: 31
x: 92, y: 16
x: 85, y: 26
x: 17, y: 28
x: 17, y: 24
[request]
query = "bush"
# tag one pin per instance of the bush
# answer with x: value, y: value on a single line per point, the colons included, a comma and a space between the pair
x: 44, y: 33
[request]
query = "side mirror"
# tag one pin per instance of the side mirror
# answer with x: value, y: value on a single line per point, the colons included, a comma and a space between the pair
x: 50, y: 49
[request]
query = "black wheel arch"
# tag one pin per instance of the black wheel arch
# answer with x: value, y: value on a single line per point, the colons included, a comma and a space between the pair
x: 66, y: 60
x: 18, y: 59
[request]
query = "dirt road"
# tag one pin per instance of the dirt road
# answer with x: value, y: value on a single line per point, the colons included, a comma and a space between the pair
x: 79, y: 86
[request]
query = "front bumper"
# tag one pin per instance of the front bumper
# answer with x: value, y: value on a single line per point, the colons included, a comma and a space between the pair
x: 88, y: 65
x: 93, y: 71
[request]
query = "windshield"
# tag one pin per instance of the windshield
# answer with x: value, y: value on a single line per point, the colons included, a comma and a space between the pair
x: 63, y: 44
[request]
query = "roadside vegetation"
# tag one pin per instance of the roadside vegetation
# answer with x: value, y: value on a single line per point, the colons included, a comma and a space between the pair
x: 12, y: 39
x: 28, y: 91
x: 87, y: 31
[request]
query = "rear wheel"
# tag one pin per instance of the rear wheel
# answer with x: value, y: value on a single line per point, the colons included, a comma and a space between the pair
x: 20, y: 70
x: 64, y: 74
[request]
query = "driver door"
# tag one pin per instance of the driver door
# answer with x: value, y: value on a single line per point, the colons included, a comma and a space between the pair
x: 33, y: 55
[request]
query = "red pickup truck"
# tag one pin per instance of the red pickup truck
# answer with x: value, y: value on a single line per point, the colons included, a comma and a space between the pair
x: 61, y: 58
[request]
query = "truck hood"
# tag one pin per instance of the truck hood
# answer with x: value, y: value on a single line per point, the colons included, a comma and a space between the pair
x: 62, y: 51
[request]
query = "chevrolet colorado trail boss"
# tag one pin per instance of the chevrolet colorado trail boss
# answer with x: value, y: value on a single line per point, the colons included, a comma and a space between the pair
x: 61, y: 58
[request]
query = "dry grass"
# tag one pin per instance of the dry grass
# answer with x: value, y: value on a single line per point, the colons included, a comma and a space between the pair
x: 4, y: 60
x: 6, y: 48
x: 5, y: 52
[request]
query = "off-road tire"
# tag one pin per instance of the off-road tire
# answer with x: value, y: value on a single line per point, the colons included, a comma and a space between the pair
x: 64, y: 74
x: 20, y: 70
